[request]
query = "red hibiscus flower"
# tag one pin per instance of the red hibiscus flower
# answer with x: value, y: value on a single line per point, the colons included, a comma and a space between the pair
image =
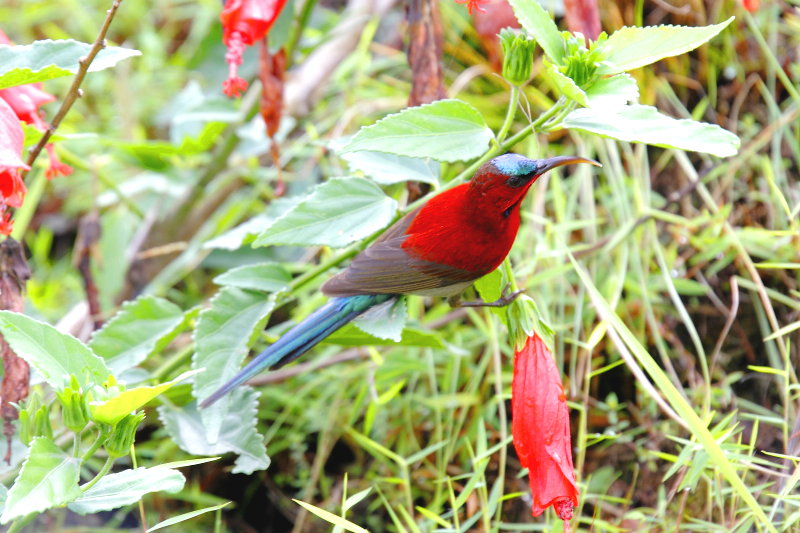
x: 12, y: 190
x: 540, y: 427
x: 244, y: 22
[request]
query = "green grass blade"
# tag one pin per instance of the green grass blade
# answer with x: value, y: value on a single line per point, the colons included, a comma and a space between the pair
x: 675, y: 399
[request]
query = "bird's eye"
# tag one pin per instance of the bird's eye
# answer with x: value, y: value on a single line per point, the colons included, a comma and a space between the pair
x: 520, y: 180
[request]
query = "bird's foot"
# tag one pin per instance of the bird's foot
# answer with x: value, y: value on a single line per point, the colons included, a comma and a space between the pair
x: 504, y: 300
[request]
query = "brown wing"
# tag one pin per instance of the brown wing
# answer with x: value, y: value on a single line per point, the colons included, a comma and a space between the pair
x: 386, y: 268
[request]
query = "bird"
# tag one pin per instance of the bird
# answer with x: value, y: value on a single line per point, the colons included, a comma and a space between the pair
x: 438, y: 249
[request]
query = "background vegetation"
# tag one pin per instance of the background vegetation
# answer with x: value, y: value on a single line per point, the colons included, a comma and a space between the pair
x: 697, y: 256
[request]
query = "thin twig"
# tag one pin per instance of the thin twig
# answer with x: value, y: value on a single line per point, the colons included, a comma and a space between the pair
x: 74, y: 90
x: 731, y: 316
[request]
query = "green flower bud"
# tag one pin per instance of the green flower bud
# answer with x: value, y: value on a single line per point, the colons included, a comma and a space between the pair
x: 24, y: 427
x: 517, y: 56
x: 34, y: 420
x: 74, y: 412
x: 579, y: 62
x: 122, y: 434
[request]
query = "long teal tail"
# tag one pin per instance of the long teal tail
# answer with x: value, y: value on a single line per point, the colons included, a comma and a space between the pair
x: 301, y: 338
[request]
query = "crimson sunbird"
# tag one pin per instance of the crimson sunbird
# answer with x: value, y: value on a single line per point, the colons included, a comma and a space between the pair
x: 438, y: 249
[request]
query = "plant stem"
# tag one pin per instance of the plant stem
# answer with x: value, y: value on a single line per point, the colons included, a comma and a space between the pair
x: 21, y: 522
x: 23, y: 216
x: 297, y: 30
x: 513, y: 102
x: 103, y: 471
x: 509, y: 274
x: 142, y: 515
x: 94, y: 447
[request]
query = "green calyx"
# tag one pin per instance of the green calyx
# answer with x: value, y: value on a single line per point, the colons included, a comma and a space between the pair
x: 121, y: 435
x: 34, y: 420
x: 517, y: 55
x: 74, y: 412
x: 524, y: 319
x: 580, y: 63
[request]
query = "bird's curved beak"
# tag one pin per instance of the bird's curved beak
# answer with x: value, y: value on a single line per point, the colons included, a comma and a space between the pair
x: 552, y: 162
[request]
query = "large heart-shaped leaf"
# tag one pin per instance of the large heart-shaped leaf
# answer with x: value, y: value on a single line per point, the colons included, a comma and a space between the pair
x: 632, y: 47
x: 222, y: 337
x: 48, y: 478
x: 140, y: 328
x: 127, y: 487
x: 644, y: 124
x: 336, y: 213
x: 447, y: 130
x: 237, y: 431
x: 53, y: 354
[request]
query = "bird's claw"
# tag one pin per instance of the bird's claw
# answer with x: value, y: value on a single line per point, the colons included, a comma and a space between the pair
x: 505, y: 299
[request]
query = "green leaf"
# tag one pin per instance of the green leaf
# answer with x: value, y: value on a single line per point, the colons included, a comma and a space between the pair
x: 632, y: 47
x: 538, y: 23
x: 336, y: 213
x: 566, y: 85
x: 388, y: 169
x: 48, y: 478
x: 266, y: 277
x: 613, y: 91
x: 141, y: 328
x: 385, y: 321
x: 127, y: 487
x: 490, y: 287
x: 237, y: 433
x: 224, y: 332
x: 644, y: 124
x: 331, y: 518
x: 350, y: 335
x: 447, y: 130
x: 44, y: 60
x: 355, y: 499
x: 53, y: 354
x: 115, y: 409
x: 186, y: 516
x: 188, y: 462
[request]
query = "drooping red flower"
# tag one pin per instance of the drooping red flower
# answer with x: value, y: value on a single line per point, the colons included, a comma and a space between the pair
x: 540, y: 428
x: 244, y: 22
x: 12, y: 190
